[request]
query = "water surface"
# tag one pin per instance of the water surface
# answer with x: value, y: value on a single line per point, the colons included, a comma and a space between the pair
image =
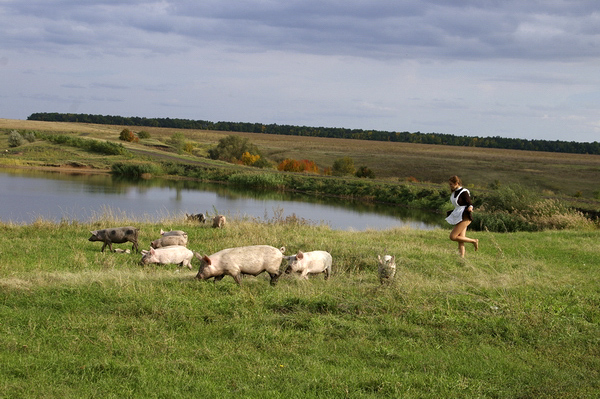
x: 30, y: 195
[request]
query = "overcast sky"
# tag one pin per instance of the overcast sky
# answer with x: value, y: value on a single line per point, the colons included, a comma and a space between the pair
x: 513, y: 68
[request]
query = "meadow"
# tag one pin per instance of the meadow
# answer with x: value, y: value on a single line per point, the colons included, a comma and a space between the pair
x: 520, y: 318
x: 517, y: 319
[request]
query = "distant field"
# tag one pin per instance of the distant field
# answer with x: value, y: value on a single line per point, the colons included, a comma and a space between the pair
x: 555, y: 174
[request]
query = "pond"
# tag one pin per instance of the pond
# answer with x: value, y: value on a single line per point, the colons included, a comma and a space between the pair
x: 27, y: 196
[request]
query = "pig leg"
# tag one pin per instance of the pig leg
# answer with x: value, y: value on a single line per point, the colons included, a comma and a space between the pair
x: 237, y: 278
x: 327, y: 272
x: 135, y: 246
x: 274, y: 277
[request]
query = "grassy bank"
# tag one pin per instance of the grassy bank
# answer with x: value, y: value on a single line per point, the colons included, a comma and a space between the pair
x: 519, y: 318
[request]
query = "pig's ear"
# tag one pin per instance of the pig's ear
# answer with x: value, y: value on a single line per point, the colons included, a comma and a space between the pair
x: 300, y: 255
x: 152, y: 252
x: 94, y: 232
x: 207, y: 260
x: 379, y: 258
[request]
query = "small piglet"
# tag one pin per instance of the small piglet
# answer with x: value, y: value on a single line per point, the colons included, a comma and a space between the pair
x: 177, y: 255
x: 387, y: 268
x: 218, y: 221
x: 306, y: 263
x: 116, y: 235
x: 197, y: 217
x: 166, y: 241
x: 234, y: 262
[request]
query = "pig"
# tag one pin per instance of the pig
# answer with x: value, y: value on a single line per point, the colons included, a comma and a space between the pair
x: 219, y: 221
x: 199, y: 217
x: 235, y: 262
x: 306, y: 263
x: 168, y: 255
x: 166, y: 241
x: 387, y: 268
x: 117, y: 235
x: 172, y: 233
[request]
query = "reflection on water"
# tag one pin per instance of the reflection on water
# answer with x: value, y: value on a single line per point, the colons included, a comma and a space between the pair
x: 28, y: 195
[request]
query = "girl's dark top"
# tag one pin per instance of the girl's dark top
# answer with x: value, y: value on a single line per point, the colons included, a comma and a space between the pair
x: 464, y: 199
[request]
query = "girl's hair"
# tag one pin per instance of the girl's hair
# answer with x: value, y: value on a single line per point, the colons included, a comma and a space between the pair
x: 455, y: 180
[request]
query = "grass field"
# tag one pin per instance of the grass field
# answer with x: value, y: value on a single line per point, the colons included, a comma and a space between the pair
x: 520, y: 318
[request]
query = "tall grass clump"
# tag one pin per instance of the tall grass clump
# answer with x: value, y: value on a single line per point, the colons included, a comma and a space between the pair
x: 135, y: 170
x: 257, y: 180
x: 516, y: 208
x: 91, y: 145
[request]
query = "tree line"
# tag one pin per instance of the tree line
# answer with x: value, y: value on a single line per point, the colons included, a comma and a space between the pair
x: 331, y: 132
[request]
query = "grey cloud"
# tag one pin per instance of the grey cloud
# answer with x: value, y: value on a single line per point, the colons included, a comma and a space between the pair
x: 425, y: 29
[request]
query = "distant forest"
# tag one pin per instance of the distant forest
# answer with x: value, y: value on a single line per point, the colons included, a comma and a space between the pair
x: 333, y: 132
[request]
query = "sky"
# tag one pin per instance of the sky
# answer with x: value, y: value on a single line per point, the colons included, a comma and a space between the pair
x: 511, y: 68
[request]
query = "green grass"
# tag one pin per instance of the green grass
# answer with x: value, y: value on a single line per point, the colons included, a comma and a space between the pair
x: 519, y: 318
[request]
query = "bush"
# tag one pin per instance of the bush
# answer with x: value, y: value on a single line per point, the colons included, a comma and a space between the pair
x: 128, y: 135
x: 177, y: 141
x: 15, y: 139
x: 232, y: 149
x: 363, y: 171
x: 292, y: 165
x: 29, y: 136
x: 343, y: 166
x: 143, y: 135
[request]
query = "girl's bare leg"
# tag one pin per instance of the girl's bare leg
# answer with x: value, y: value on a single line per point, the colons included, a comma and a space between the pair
x: 458, y: 234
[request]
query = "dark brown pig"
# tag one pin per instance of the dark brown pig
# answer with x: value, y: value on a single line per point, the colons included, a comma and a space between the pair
x: 116, y: 235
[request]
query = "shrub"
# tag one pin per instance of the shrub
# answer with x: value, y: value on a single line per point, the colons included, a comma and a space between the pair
x: 363, y: 171
x: 143, y: 134
x: 128, y: 135
x: 292, y: 165
x: 189, y: 147
x: 232, y: 149
x: 343, y: 166
x: 177, y: 141
x: 15, y: 139
x: 29, y: 136
x: 249, y: 159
